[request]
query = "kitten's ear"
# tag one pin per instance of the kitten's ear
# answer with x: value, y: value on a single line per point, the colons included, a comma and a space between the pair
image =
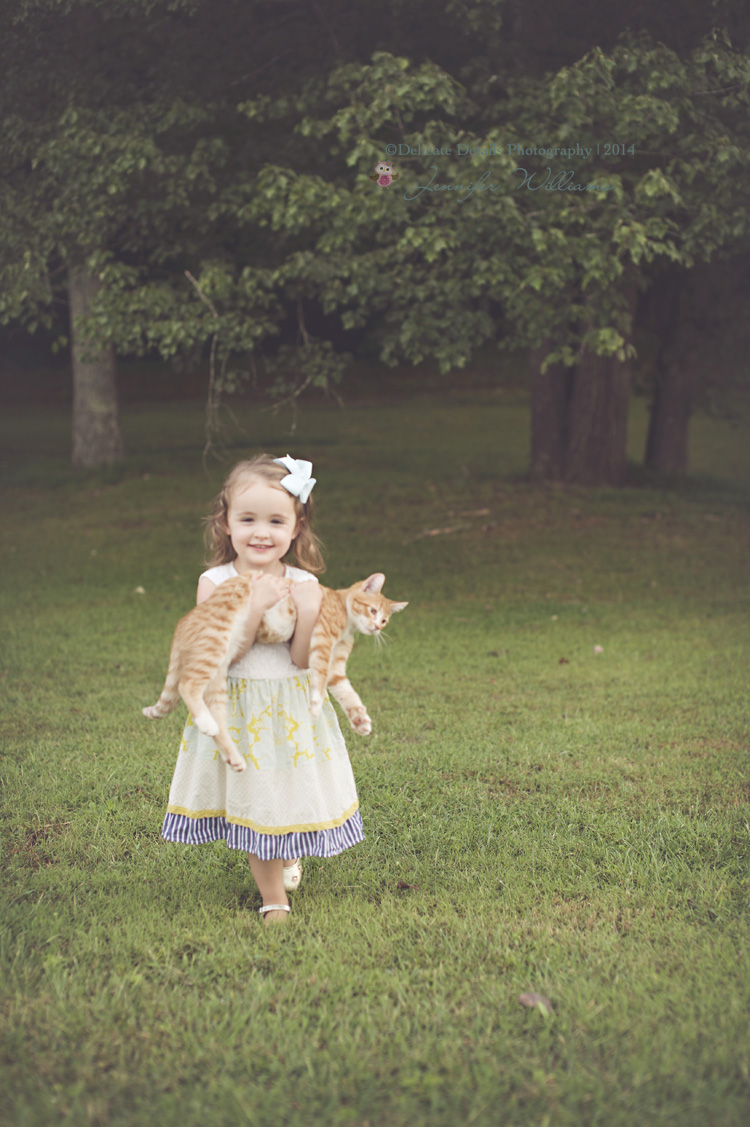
x: 398, y: 606
x: 374, y: 583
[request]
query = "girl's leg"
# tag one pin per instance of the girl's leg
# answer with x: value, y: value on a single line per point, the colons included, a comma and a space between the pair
x: 269, y: 877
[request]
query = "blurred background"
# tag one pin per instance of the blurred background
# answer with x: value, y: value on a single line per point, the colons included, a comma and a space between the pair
x: 190, y: 210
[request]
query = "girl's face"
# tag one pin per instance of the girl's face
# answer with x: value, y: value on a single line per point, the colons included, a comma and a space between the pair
x: 261, y: 523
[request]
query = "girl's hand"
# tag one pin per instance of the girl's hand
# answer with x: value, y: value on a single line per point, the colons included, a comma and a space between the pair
x: 267, y: 591
x: 307, y: 598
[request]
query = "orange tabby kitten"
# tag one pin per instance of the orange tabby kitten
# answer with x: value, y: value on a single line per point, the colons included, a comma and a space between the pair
x: 206, y: 643
x: 360, y: 608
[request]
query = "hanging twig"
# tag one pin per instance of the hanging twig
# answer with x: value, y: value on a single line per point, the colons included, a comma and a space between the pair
x: 302, y: 334
x: 303, y: 341
x: 693, y: 94
x: 290, y: 399
x: 212, y: 402
x: 254, y: 73
x: 327, y: 25
x: 301, y: 326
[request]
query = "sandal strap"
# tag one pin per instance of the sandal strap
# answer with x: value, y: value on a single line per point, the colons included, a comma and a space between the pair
x: 274, y: 908
x: 292, y: 876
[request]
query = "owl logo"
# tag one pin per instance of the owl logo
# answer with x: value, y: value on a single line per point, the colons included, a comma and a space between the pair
x: 384, y: 173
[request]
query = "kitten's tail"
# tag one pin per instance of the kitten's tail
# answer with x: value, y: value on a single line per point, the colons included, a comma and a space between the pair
x: 170, y: 695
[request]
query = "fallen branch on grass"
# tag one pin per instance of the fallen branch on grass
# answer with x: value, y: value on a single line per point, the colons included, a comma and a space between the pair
x: 438, y: 532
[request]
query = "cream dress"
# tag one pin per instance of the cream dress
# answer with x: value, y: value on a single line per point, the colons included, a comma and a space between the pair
x: 297, y: 796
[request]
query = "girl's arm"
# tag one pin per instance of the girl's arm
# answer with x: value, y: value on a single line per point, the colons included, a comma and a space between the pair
x: 307, y: 599
x: 205, y: 589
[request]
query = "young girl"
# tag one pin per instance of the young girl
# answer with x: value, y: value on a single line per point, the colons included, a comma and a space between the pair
x: 297, y: 795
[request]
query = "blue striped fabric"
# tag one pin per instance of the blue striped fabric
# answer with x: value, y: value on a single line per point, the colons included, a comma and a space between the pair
x: 315, y: 843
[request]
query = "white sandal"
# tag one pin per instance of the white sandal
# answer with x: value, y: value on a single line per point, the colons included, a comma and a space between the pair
x: 292, y: 876
x: 274, y: 908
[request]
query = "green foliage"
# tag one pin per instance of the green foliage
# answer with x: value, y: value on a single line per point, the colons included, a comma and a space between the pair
x: 141, y: 189
x: 258, y: 182
x: 426, y: 263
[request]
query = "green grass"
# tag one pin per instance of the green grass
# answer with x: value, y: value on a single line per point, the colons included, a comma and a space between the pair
x: 575, y: 827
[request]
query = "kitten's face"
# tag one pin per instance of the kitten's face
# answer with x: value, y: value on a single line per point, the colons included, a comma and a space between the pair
x: 370, y: 611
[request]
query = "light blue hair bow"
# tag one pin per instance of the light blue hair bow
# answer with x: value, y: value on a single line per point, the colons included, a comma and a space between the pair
x: 298, y: 481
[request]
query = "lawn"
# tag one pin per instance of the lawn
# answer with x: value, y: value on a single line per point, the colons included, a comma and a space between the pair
x: 555, y: 795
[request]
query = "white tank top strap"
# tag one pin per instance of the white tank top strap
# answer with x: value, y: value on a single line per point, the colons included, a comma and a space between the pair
x: 222, y: 572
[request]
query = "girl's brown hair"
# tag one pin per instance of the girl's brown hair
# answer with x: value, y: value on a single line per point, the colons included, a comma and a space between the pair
x: 305, y: 546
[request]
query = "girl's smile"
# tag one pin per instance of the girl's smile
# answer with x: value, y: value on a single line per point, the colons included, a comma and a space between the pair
x: 261, y: 523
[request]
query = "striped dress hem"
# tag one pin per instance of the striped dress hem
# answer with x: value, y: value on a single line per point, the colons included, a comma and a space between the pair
x: 269, y: 847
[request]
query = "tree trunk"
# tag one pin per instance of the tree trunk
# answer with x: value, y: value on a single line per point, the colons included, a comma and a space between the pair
x: 597, y: 438
x: 549, y: 403
x: 97, y: 439
x: 676, y: 372
x: 667, y: 442
x: 579, y: 417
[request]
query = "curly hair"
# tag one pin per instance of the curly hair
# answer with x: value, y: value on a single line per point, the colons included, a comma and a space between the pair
x: 305, y: 546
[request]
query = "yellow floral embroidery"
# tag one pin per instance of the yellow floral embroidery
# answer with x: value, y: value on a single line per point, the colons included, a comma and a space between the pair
x: 234, y: 703
x: 255, y: 730
x: 326, y: 751
x: 254, y: 726
x: 292, y: 726
x: 300, y: 752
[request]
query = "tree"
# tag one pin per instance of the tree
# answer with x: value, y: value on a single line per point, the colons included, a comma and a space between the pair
x: 131, y: 177
x: 199, y: 225
x: 579, y: 416
x: 676, y: 198
x: 124, y: 179
x: 563, y: 258
x: 698, y: 321
x: 97, y: 437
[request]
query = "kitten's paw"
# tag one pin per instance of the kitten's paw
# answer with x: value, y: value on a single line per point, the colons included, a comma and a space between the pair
x: 235, y: 761
x: 205, y: 723
x: 151, y: 712
x: 360, y: 721
x: 316, y: 703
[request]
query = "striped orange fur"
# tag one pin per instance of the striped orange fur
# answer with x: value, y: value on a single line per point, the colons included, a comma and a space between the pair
x: 360, y: 609
x: 206, y: 642
x: 208, y: 639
